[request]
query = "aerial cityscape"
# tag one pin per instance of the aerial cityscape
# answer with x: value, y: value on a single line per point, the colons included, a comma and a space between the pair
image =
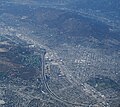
x: 59, y: 53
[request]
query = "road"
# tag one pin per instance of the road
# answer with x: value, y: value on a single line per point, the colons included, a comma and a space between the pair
x: 56, y: 97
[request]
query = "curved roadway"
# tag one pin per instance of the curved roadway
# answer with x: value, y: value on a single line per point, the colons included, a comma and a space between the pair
x: 51, y: 92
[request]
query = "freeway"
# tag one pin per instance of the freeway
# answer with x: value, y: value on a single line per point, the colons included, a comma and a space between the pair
x: 56, y: 97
